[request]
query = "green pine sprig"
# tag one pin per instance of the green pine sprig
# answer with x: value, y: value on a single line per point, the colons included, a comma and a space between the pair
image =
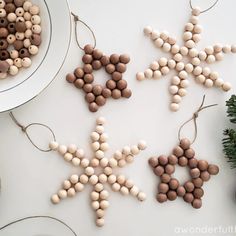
x: 229, y: 140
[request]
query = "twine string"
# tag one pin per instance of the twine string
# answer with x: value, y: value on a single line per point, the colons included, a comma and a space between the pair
x: 37, y: 217
x: 194, y: 119
x: 26, y: 128
x: 76, y: 20
x: 206, y: 10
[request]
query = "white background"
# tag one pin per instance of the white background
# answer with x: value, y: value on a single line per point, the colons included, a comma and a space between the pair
x: 29, y: 177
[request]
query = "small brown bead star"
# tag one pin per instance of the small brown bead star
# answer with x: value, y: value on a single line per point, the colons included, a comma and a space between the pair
x: 169, y: 187
x: 83, y: 78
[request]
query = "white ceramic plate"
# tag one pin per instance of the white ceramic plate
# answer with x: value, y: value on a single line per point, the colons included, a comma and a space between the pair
x: 56, y: 35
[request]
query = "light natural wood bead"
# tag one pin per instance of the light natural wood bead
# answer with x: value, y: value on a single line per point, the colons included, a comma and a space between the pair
x: 79, y: 187
x: 11, y: 17
x: 94, y: 162
x: 62, y: 149
x: 102, y: 178
x: 226, y: 86
x: 206, y: 71
x: 10, y: 61
x: 140, y: 76
x: 176, y: 99
x: 179, y: 66
x: 196, y: 11
x: 27, y: 43
x: 148, y: 73
x: 173, y: 89
x: 66, y: 184
x: 196, y: 61
x: 175, y: 80
x: 14, y: 54
x: 99, y: 129
x: 196, y: 38
x: 11, y: 38
x: 172, y: 40
x: 122, y: 163
x: 193, y: 52
x: 118, y: 155
x: 108, y: 171
x: 124, y: 190
x: 98, y: 187
x: 62, y: 194
x: 214, y: 75
x: 183, y: 74
x: 182, y: 92
x: 113, y: 162
x: 72, y: 148
x: 194, y: 20
x: 135, y: 150
x: 187, y: 36
x: 2, y: 13
x: 95, y: 205
x: 99, y: 154
x: 18, y: 62
x: 94, y: 196
x: 218, y: 48
x: 159, y: 42
x: 71, y: 192
x: 74, y: 179
x: 171, y: 64
x: 164, y: 35
x: 219, y: 56
x: 200, y: 79
x: 79, y: 153
x: 154, y: 65
x: 184, y: 83
x: 219, y: 82
x: 55, y: 199
x: 233, y: 48
x: 148, y: 30
x: 178, y: 57
x: 174, y: 107
x: 197, y: 70
x: 129, y: 158
x: 103, y: 162
x: 95, y: 146
x: 100, y: 213
x: 83, y: 179
x: 2, y: 4
x: 20, y: 36
x: 189, y: 27
x: 53, y: 145
x: 210, y: 59
x: 28, y: 24
x: 68, y: 157
x: 100, y: 222
x: 165, y: 70
x: 197, y: 29
x: 126, y: 150
x: 134, y: 191
x: 227, y: 49
x: 93, y: 179
x: 76, y: 161
x: 141, y: 196
x: 155, y: 34
x: 89, y: 171
x: 104, y: 194
x: 3, y: 75
x: 111, y: 179
x: 142, y: 145
x: 13, y: 70
x: 189, y: 68
x: 27, y: 16
x: 202, y: 55
x: 36, y: 29
x: 104, y: 204
x: 175, y: 49
x: 184, y: 51
x: 209, y: 50
x: 163, y: 61
x: 129, y: 183
x: 190, y: 44
x: 33, y: 49
x: 121, y: 179
x: 209, y: 83
x: 157, y: 74
x: 166, y: 47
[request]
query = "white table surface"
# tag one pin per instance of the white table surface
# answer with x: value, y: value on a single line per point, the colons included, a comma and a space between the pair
x: 29, y: 177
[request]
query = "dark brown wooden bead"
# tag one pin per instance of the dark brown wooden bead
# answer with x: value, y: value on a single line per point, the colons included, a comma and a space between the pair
x: 10, y: 8
x: 88, y: 69
x: 3, y: 44
x: 185, y: 143
x: 172, y: 159
x: 162, y: 160
x: 183, y: 161
x: 121, y: 84
x: 171, y: 195
x: 97, y: 90
x: 158, y: 171
x: 195, y: 173
x: 205, y: 176
x: 96, y: 65
x: 8, y: 1
x: 18, y: 44
x: 189, y: 153
x: 153, y: 162
x: 4, y: 66
x: 110, y: 68
x: 79, y: 72
x: 178, y: 151
x: 163, y: 188
x: 24, y: 53
x: 3, y: 22
x: 197, y: 182
x: 88, y: 49
x: 21, y: 27
x: 169, y: 169
x: 3, y: 32
x: 106, y: 93
x: 189, y: 186
x: 161, y: 197
x: 114, y: 58
x: 116, y: 93
x: 165, y: 178
x: 88, y: 78
x: 188, y: 197
x: 192, y: 163
x: 126, y: 93
x: 181, y: 191
x: 111, y: 84
x: 202, y: 165
x: 105, y: 60
x: 121, y: 67
x: 90, y: 97
x: 19, y: 3
x: 11, y: 28
x: 93, y: 107
x: 70, y: 78
x: 198, y: 193
x: 100, y: 100
x: 87, y: 88
x: 116, y: 76
x: 79, y: 83
x: 87, y: 59
x: 174, y: 184
x: 213, y: 169
x: 97, y: 54
x: 4, y: 54
x: 124, y: 58
x: 197, y: 203
x: 35, y: 39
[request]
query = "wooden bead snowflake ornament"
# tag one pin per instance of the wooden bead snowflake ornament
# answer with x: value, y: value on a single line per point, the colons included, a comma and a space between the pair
x: 169, y: 187
x: 179, y: 56
x: 98, y: 171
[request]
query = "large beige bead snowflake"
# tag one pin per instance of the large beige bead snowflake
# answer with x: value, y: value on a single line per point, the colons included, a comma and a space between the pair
x: 98, y: 171
x: 179, y: 56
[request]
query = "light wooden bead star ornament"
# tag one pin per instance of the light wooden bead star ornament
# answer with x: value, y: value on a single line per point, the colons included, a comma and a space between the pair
x: 98, y: 171
x: 186, y: 60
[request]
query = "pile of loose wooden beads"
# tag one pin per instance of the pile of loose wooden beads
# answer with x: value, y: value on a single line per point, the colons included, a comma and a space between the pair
x: 99, y: 163
x: 202, y: 75
x: 169, y: 187
x: 20, y: 35
x: 83, y: 78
